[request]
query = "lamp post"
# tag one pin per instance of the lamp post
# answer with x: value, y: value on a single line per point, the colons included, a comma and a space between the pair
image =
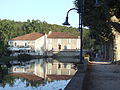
x: 80, y: 29
x: 81, y: 13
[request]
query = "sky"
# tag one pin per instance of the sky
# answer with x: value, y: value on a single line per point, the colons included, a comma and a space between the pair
x: 51, y: 11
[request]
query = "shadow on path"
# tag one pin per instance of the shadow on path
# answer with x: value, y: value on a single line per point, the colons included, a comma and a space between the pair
x: 102, y: 76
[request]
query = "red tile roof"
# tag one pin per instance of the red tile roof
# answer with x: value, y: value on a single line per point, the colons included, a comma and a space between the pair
x: 27, y: 76
x: 31, y: 36
x: 61, y: 35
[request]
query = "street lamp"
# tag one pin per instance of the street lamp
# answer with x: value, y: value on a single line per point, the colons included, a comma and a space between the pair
x: 80, y: 29
x: 81, y: 12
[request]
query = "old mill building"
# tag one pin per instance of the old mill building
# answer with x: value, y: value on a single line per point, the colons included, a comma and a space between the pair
x: 40, y: 42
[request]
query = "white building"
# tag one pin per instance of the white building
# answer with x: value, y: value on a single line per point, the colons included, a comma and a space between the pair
x: 39, y: 42
x: 33, y: 42
x: 62, y: 41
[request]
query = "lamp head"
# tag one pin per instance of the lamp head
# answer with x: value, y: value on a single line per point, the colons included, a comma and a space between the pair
x: 97, y: 3
x: 66, y: 22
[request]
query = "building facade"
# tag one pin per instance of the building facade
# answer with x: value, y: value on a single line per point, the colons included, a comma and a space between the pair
x: 33, y: 42
x: 62, y: 41
x: 41, y: 42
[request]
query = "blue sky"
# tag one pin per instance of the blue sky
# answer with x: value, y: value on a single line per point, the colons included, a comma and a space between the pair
x: 51, y: 11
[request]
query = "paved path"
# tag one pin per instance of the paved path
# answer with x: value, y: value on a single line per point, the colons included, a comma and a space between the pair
x: 77, y: 80
x: 102, y: 76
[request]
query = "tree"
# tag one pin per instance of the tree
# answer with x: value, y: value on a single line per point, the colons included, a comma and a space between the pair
x: 101, y: 20
x: 88, y: 42
x: 98, y: 18
x: 10, y: 29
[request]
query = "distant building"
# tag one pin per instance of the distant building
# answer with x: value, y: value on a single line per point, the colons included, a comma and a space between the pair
x: 61, y: 41
x: 35, y: 42
x: 40, y: 42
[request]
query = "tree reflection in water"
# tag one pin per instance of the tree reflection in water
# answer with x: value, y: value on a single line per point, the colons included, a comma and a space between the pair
x: 37, y: 72
x: 4, y: 77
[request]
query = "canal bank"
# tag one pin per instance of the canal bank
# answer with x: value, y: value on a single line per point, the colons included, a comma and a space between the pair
x: 77, y: 80
x: 97, y: 76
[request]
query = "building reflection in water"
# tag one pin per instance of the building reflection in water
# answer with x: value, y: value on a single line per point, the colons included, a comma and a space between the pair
x: 48, y: 69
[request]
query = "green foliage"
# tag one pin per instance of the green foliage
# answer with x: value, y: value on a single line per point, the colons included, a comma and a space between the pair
x: 6, y: 59
x: 98, y: 18
x: 88, y: 42
x: 10, y: 29
x: 24, y: 57
x: 6, y: 79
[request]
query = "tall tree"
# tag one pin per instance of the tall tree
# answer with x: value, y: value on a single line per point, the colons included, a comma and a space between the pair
x: 102, y: 19
x: 99, y: 19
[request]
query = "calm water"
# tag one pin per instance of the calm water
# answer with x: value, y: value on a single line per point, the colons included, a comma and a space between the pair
x: 38, y: 74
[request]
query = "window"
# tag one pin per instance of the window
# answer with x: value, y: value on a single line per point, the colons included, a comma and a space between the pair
x: 15, y: 44
x: 25, y: 44
x: 59, y: 47
x: 65, y: 65
x: 69, y: 41
x: 59, y: 66
x: 11, y: 43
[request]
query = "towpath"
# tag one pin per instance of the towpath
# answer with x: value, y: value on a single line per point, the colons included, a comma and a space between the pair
x: 98, y: 76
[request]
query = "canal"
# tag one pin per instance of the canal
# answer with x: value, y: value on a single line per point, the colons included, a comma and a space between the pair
x: 38, y: 74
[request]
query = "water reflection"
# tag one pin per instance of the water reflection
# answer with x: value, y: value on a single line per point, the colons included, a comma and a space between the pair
x: 38, y: 72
